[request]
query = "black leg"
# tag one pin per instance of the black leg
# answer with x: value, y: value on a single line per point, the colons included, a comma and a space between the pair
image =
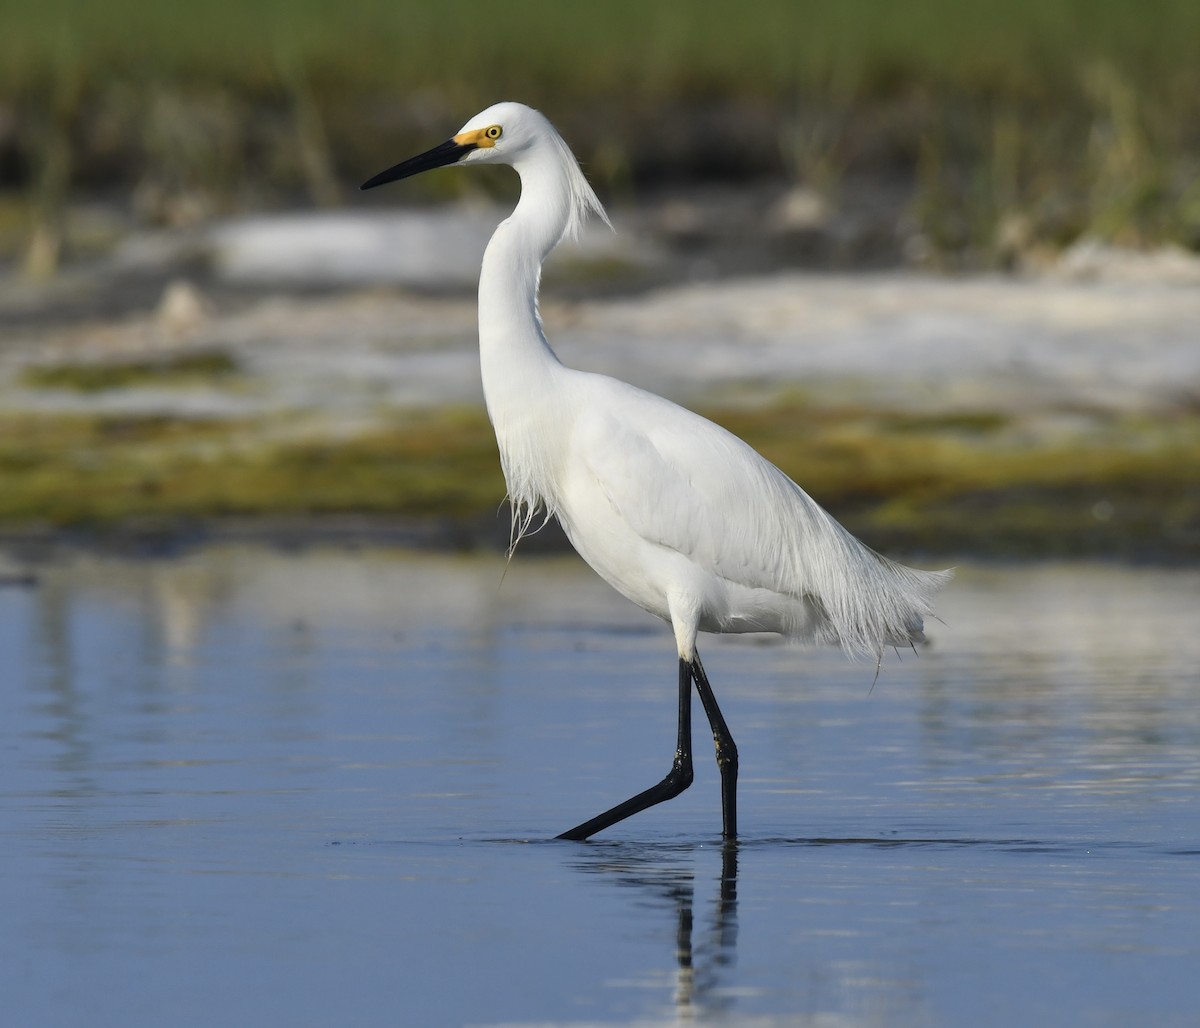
x: 678, y: 779
x: 727, y: 755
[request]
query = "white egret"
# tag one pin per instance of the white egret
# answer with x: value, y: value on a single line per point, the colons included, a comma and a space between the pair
x: 677, y: 514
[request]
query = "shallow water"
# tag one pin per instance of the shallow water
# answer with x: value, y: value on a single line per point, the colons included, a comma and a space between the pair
x: 252, y: 787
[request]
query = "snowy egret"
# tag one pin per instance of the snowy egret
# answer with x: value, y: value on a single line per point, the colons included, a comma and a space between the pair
x: 680, y: 516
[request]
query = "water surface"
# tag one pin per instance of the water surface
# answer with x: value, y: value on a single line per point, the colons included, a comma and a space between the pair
x: 249, y: 786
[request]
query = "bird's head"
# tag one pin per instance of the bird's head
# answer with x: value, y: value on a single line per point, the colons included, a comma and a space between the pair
x: 511, y: 133
x: 498, y: 135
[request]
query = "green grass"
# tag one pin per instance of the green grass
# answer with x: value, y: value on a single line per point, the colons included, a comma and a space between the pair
x: 1019, y: 123
x: 632, y: 48
x: 954, y: 485
x: 97, y: 376
x: 64, y: 470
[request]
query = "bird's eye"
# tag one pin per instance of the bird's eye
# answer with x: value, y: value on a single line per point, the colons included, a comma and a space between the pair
x: 494, y: 132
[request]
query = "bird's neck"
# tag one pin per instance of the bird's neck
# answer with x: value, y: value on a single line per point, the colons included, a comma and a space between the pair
x: 518, y: 367
x: 514, y: 355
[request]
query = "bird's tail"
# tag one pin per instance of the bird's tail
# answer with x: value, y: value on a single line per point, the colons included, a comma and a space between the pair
x: 888, y: 605
x: 868, y: 601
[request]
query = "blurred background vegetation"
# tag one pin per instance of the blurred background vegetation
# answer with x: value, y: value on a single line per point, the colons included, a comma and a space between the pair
x: 1004, y: 126
x: 975, y: 133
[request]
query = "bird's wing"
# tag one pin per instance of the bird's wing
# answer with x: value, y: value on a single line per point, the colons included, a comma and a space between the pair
x: 679, y: 481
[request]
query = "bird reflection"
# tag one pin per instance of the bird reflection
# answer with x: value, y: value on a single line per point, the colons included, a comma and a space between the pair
x: 665, y: 877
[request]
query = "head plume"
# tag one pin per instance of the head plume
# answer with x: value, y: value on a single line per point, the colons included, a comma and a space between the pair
x: 583, y: 199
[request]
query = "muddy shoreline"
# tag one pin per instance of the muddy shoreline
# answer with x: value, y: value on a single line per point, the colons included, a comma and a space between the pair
x: 1054, y: 411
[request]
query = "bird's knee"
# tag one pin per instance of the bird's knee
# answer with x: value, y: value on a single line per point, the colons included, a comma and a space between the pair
x: 681, y: 774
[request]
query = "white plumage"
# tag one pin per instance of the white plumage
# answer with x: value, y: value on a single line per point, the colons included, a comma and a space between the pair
x: 673, y: 511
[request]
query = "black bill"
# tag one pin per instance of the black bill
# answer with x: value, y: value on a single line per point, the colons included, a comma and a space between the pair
x: 447, y: 153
